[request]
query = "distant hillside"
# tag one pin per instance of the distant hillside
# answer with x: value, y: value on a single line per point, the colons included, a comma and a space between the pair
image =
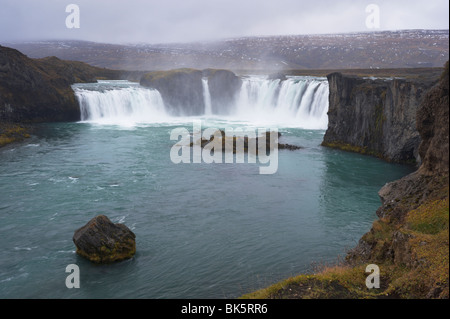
x: 387, y: 49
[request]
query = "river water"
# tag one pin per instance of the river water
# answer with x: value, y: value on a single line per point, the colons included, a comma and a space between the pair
x: 202, y: 230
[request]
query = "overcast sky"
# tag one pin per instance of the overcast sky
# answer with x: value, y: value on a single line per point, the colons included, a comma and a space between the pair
x: 151, y: 21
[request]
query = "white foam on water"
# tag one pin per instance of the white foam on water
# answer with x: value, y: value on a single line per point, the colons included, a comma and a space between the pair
x: 294, y: 102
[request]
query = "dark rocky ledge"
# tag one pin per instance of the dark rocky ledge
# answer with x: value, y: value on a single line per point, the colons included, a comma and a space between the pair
x: 234, y: 139
x: 39, y: 90
x: 182, y: 89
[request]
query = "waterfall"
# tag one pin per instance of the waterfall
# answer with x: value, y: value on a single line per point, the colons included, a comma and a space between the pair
x: 296, y: 101
x: 119, y: 102
x: 300, y: 102
x: 207, y: 97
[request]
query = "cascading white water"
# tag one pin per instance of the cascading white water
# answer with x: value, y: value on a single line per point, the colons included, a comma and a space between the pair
x: 297, y: 102
x: 207, y: 97
x: 119, y: 102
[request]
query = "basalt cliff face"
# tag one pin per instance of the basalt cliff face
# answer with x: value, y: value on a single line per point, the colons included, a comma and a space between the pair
x: 39, y: 90
x: 376, y: 116
x: 409, y: 243
x: 224, y: 87
x: 432, y: 123
x: 412, y: 230
x: 29, y: 92
x: 181, y: 90
x: 183, y: 93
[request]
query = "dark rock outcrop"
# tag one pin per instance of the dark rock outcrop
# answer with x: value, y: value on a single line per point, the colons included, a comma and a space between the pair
x: 30, y: 92
x: 277, y: 76
x: 391, y: 239
x: 375, y: 116
x: 224, y: 87
x: 39, y: 90
x: 12, y: 132
x: 183, y: 94
x: 432, y: 123
x: 232, y: 141
x: 102, y: 241
x: 181, y: 90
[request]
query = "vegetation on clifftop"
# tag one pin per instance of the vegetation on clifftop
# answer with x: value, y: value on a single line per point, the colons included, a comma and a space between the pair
x: 421, y: 273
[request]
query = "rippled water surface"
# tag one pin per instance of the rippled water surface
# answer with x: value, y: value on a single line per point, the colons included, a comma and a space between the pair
x: 202, y: 230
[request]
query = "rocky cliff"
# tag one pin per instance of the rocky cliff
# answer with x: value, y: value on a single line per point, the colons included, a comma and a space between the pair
x: 182, y: 89
x: 376, y: 116
x: 38, y: 90
x: 432, y: 123
x: 410, y: 241
x: 224, y: 87
x: 412, y: 231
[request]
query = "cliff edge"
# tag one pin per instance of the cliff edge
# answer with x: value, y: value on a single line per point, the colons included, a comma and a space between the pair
x: 376, y: 116
x: 182, y: 89
x: 39, y: 90
x: 410, y: 240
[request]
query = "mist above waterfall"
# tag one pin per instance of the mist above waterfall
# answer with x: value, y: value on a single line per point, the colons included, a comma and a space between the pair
x: 294, y: 102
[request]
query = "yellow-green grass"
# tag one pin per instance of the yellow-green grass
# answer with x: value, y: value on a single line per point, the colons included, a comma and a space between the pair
x: 425, y: 275
x: 11, y: 133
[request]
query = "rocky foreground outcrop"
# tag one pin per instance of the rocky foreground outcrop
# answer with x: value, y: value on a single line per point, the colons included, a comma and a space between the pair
x: 102, y: 241
x: 376, y: 116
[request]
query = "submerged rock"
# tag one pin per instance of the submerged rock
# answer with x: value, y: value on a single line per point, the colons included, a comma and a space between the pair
x: 102, y: 241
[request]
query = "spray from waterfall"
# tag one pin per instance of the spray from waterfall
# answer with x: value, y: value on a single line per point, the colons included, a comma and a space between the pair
x: 295, y: 102
x: 300, y: 102
x: 119, y: 102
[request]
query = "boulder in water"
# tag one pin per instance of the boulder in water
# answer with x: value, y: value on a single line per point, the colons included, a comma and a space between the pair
x: 102, y: 241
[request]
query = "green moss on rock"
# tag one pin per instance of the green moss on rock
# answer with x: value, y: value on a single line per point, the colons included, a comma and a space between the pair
x: 11, y: 132
x: 102, y: 241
